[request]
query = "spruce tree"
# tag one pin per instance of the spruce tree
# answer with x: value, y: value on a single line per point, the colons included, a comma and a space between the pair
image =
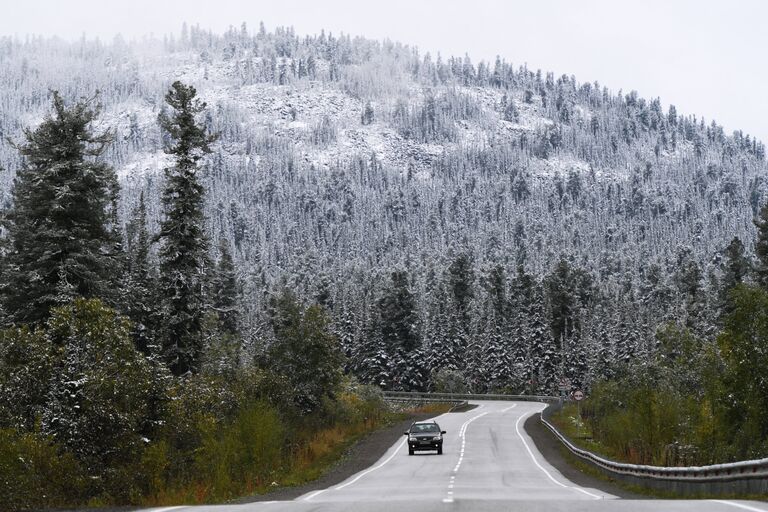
x: 736, y: 268
x: 398, y: 320
x: 304, y: 351
x: 139, y: 288
x: 543, y: 357
x: 184, y: 244
x: 560, y: 289
x: 60, y: 243
x: 461, y: 278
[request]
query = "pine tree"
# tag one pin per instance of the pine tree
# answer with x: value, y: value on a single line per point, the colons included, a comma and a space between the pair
x: 60, y: 244
x: 184, y: 250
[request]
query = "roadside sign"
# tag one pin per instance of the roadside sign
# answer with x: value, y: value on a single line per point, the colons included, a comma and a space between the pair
x: 578, y: 395
x: 564, y: 384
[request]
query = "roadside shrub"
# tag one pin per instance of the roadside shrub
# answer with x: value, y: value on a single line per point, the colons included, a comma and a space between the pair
x: 244, y: 453
x: 677, y: 410
x: 85, y: 418
x: 35, y: 473
x: 153, y: 469
x: 26, y: 367
x: 97, y: 399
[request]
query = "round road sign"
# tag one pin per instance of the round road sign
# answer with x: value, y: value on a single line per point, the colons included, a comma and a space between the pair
x: 578, y: 395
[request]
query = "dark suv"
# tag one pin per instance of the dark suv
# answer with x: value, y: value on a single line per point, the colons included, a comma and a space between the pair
x: 425, y: 435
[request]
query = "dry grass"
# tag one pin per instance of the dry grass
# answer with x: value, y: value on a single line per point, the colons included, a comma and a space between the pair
x: 431, y: 408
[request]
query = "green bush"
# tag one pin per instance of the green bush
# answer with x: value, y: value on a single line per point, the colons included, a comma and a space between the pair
x: 97, y: 400
x: 85, y: 418
x: 35, y: 473
x: 26, y: 368
x: 699, y: 402
x: 244, y: 453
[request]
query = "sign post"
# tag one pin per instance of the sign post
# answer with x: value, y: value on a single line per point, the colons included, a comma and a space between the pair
x: 578, y: 395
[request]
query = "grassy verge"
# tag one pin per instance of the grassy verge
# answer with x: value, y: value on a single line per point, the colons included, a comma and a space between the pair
x: 429, y: 408
x: 569, y: 424
x: 316, y: 454
x: 329, y: 446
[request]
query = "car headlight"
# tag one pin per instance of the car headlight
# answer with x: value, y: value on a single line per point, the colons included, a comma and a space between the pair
x: 436, y: 438
x: 412, y: 438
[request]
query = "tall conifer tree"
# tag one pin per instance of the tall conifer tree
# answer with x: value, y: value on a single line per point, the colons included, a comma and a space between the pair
x: 60, y: 243
x: 184, y: 244
x: 139, y: 287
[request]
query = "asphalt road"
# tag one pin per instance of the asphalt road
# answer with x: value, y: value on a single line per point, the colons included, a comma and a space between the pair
x: 488, y: 464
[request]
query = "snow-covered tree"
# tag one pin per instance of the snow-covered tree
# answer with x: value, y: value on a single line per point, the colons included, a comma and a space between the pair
x: 184, y: 257
x: 60, y: 244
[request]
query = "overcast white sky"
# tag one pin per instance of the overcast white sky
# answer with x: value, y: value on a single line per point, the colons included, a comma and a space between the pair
x: 707, y: 57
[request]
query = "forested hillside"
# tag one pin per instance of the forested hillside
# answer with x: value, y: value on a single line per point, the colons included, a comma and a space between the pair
x: 510, y: 224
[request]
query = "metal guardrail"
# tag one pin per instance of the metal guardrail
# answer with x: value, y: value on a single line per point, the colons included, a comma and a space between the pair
x: 745, y: 477
x: 749, y: 476
x: 468, y: 396
x: 455, y: 404
x: 460, y: 399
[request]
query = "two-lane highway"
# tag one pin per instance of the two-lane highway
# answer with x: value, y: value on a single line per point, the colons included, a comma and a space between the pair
x: 486, y: 455
x: 488, y: 463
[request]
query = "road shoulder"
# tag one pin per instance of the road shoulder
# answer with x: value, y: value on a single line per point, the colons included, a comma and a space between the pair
x: 552, y: 450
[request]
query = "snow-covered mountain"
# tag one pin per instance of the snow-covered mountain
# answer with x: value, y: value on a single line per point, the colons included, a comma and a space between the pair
x: 342, y: 159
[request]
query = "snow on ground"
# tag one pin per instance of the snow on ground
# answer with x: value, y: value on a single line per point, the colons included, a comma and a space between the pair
x: 145, y: 163
x: 295, y: 111
x: 561, y: 165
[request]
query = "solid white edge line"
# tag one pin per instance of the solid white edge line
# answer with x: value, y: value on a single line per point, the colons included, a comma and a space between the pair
x: 166, y: 509
x: 316, y: 493
x: 543, y: 469
x: 361, y: 475
x: 739, y: 505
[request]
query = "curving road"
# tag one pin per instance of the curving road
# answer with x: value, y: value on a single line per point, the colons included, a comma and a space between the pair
x: 489, y: 464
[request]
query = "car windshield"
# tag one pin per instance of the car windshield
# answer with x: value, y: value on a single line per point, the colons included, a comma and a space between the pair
x: 424, y: 427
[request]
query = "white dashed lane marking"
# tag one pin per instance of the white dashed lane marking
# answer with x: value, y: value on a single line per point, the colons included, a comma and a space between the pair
x: 463, y: 437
